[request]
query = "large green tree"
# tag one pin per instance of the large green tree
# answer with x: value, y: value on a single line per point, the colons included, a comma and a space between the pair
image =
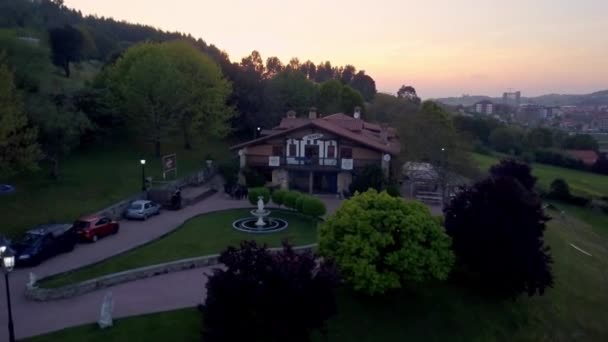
x: 67, y: 46
x: 380, y: 242
x: 170, y: 87
x: 18, y: 147
x: 336, y: 97
x: 288, y: 90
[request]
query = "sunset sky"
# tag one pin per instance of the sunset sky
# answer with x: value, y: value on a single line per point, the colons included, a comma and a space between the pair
x: 441, y: 47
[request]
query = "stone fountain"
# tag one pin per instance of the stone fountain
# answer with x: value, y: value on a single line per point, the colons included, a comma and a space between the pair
x: 260, y: 222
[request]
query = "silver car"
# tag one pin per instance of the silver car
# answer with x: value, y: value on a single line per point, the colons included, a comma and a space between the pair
x: 142, y: 209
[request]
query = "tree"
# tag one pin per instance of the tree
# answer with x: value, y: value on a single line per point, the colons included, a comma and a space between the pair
x: 19, y: 150
x: 350, y: 99
x: 288, y: 90
x: 264, y: 296
x: 309, y: 69
x: 497, y: 227
x: 273, y: 67
x: 294, y: 64
x: 388, y: 108
x: 30, y: 64
x: 581, y: 142
x: 518, y: 170
x: 560, y: 190
x: 253, y: 63
x: 324, y: 72
x: 365, y: 85
x: 539, y: 137
x: 168, y: 87
x: 67, y: 44
x: 408, y: 93
x: 348, y: 74
x: 335, y: 97
x: 380, y: 242
x: 506, y: 139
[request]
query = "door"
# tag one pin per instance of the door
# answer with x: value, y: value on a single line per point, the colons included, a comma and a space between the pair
x: 311, y: 152
x: 103, y: 227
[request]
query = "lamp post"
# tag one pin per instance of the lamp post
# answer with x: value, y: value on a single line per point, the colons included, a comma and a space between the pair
x: 7, y: 263
x: 259, y: 131
x: 143, y: 174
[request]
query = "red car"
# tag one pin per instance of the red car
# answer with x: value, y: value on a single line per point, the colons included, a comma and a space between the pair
x: 92, y: 228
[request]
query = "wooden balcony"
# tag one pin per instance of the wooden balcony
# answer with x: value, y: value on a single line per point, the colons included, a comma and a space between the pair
x: 309, y: 163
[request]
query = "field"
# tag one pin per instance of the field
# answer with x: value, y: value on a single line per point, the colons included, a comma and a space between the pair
x: 574, y: 310
x: 90, y: 180
x: 202, y: 235
x: 582, y: 183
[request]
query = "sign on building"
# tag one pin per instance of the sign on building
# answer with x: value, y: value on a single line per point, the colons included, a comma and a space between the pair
x: 314, y: 136
x: 347, y: 164
x: 274, y: 161
x: 169, y: 165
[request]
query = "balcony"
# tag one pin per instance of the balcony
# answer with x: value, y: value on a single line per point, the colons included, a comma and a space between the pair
x: 309, y: 163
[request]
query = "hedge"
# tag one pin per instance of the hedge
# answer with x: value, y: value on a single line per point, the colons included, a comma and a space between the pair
x: 254, y: 193
x: 300, y: 202
x: 290, y: 199
x: 313, y: 206
x: 278, y: 197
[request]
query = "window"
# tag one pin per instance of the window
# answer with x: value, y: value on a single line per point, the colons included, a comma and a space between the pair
x: 292, y: 150
x: 331, y: 151
x: 346, y: 153
x: 277, y: 150
x: 104, y: 220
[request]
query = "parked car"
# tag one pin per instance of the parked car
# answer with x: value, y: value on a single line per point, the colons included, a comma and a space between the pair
x: 93, y: 228
x: 142, y: 209
x: 43, y: 242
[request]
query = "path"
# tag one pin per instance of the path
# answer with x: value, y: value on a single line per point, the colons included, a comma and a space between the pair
x: 144, y: 296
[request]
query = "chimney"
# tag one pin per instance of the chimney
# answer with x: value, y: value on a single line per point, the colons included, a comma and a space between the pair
x: 291, y: 114
x: 384, y: 133
x: 312, y: 114
x: 357, y: 114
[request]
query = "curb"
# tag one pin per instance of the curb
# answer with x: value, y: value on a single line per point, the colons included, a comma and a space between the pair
x: 73, y: 290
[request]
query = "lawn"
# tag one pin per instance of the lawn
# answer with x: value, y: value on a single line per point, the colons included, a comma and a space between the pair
x: 582, y: 183
x: 202, y: 235
x: 90, y: 180
x: 574, y: 310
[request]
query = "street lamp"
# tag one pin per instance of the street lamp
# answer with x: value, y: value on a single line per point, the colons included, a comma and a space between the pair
x: 259, y: 130
x: 7, y: 263
x: 143, y: 174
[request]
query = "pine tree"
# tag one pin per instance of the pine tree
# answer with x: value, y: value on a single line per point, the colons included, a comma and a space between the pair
x: 19, y: 150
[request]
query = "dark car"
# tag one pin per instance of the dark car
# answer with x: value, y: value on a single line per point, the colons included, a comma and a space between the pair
x: 92, y: 228
x: 43, y: 242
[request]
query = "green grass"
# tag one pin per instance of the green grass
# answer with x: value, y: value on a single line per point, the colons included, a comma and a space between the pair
x: 581, y: 182
x: 203, y: 235
x: 90, y: 180
x: 178, y: 326
x: 574, y: 310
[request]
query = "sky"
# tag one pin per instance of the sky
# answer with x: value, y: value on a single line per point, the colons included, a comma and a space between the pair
x: 441, y: 47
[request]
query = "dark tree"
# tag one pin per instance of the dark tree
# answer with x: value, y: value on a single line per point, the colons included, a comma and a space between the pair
x: 370, y: 177
x: 581, y: 142
x: 347, y: 74
x: 365, y: 85
x: 560, y: 190
x: 497, y: 227
x: 601, y: 166
x: 309, y: 69
x: 67, y: 44
x: 324, y: 72
x: 264, y: 296
x: 515, y: 169
x: 408, y: 93
x: 273, y: 67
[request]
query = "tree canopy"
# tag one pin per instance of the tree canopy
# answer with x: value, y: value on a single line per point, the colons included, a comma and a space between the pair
x: 168, y: 87
x: 380, y: 242
x: 67, y: 46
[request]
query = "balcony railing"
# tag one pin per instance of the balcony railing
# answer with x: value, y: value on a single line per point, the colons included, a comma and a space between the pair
x: 309, y: 162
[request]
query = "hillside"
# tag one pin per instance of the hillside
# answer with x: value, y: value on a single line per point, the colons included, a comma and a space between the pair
x: 593, y: 99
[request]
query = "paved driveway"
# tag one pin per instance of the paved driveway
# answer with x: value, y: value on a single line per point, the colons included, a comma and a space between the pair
x: 144, y: 296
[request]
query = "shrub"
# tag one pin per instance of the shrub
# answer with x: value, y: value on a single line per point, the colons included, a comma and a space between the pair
x: 229, y: 170
x: 497, y: 227
x: 261, y: 296
x: 370, y: 177
x: 560, y: 191
x: 255, y: 193
x: 378, y: 242
x: 518, y: 170
x: 278, y: 197
x: 300, y: 202
x: 313, y: 206
x: 290, y: 199
x: 253, y: 178
x: 393, y: 190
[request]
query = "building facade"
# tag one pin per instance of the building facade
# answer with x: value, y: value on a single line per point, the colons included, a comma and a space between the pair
x: 319, y: 154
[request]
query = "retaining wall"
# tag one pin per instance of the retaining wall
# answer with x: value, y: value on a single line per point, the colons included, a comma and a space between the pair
x: 73, y: 290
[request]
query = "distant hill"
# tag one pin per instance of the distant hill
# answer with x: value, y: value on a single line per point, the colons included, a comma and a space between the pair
x: 596, y: 98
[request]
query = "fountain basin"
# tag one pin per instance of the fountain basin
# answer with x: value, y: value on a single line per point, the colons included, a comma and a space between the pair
x: 250, y: 225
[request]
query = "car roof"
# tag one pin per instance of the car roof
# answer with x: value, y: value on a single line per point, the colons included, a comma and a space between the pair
x: 55, y: 228
x: 140, y: 202
x: 91, y: 218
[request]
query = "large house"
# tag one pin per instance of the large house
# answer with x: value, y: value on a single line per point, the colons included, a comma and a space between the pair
x: 319, y: 154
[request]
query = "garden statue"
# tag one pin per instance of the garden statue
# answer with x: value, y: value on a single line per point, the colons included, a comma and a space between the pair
x: 107, y: 307
x: 32, y: 282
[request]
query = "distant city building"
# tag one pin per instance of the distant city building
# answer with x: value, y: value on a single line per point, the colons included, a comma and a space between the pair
x: 484, y: 107
x: 512, y: 98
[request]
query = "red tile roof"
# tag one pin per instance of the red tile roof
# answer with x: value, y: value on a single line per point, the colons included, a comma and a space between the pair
x: 346, y: 126
x: 588, y: 157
